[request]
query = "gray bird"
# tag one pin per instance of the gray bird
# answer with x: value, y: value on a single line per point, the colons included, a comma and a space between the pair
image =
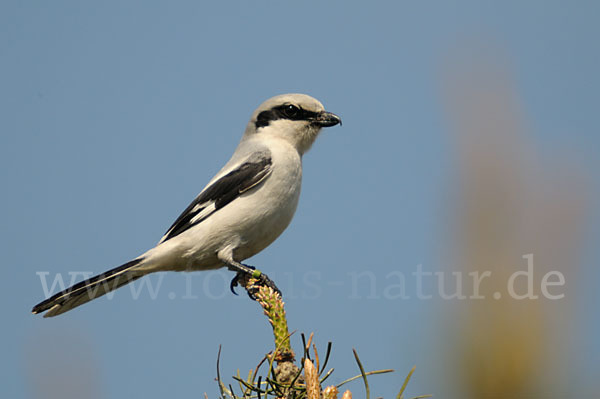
x: 242, y: 210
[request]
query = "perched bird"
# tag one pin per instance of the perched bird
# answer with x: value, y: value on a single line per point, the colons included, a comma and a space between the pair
x: 242, y: 210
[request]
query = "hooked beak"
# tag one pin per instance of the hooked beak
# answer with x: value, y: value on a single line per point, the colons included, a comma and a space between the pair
x: 327, y: 119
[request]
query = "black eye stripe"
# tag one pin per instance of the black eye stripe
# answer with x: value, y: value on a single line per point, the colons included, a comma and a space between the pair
x: 283, y: 112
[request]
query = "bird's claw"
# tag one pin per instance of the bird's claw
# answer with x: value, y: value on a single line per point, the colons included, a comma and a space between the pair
x: 262, y: 280
x: 241, y: 277
x: 234, y: 283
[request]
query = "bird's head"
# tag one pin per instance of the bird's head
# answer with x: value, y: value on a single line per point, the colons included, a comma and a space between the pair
x: 297, y: 118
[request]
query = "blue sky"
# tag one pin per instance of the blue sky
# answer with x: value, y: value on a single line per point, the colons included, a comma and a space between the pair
x: 115, y: 115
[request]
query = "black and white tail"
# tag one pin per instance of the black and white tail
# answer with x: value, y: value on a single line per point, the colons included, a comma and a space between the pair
x: 89, y: 289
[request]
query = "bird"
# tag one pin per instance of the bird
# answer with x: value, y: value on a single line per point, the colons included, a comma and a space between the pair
x: 240, y: 212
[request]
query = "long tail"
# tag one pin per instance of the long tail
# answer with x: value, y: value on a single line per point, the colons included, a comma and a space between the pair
x: 89, y: 289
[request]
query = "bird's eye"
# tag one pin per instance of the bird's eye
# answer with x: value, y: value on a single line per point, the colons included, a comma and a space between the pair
x: 291, y: 111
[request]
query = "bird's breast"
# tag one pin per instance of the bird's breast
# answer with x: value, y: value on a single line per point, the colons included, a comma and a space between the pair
x: 274, y: 202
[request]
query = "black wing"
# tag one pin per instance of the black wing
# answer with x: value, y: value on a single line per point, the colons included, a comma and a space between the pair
x: 222, y: 192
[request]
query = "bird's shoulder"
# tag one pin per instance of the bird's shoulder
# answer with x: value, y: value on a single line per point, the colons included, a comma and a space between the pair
x: 242, y: 173
x: 280, y: 151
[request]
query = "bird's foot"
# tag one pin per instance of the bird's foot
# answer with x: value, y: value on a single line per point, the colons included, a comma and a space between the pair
x: 262, y: 281
x: 243, y: 277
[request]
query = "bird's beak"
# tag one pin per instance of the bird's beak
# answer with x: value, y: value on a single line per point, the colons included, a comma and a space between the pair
x: 327, y: 119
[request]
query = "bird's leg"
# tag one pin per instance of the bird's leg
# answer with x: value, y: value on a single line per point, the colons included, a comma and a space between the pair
x: 244, y: 273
